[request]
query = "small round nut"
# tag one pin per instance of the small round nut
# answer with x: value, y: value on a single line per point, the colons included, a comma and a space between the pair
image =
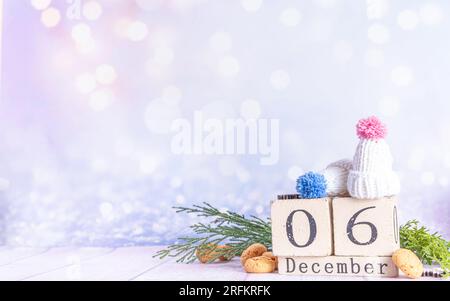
x: 259, y: 264
x: 408, y: 263
x: 271, y: 256
x: 252, y: 251
x: 208, y: 253
x: 223, y: 258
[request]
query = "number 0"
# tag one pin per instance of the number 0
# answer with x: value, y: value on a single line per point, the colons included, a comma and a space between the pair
x: 312, y: 229
x: 351, y: 224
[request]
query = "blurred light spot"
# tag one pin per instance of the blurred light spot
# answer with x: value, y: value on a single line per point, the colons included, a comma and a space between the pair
x: 389, y: 106
x: 227, y: 166
x: 428, y: 178
x: 123, y: 147
x: 50, y: 17
x: 378, y: 34
x: 159, y: 116
x: 138, y: 231
x: 101, y: 100
x: 280, y: 79
x: 86, y: 83
x: 163, y: 55
x: 162, y: 36
x: 343, y: 51
x: 251, y: 5
x: 155, y: 70
x: 325, y: 3
x: 229, y: 66
x: 250, y: 109
x: 176, y: 182
x: 92, y: 10
x: 431, y: 14
x: 63, y: 60
x: 137, y: 31
x: 40, y: 4
x: 81, y: 33
x: 148, y: 164
x: 171, y: 95
x: 374, y: 58
x: 408, y: 19
x: 221, y: 42
x: 377, y: 9
x: 447, y: 160
x: 4, y: 184
x: 99, y: 165
x: 443, y: 181
x: 243, y: 175
x: 105, y: 74
x: 106, y: 210
x: 185, y: 5
x: 259, y: 209
x: 219, y: 110
x: 158, y: 228
x: 290, y: 17
x: 149, y: 5
x: 416, y: 159
x: 180, y: 199
x: 294, y: 172
x: 402, y: 75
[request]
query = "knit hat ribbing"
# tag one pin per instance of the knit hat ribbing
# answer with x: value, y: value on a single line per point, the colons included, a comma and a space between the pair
x: 371, y: 175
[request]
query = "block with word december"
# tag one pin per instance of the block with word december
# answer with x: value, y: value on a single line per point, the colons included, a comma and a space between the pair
x: 365, y: 227
x: 338, y: 265
x: 302, y: 227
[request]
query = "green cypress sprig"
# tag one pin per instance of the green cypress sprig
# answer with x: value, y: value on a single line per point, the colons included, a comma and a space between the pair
x: 431, y: 248
x: 230, y: 228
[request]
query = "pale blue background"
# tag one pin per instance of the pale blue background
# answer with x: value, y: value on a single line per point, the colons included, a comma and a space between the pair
x: 71, y: 175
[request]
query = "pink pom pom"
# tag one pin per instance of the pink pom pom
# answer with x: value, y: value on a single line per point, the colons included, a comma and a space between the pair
x: 371, y: 128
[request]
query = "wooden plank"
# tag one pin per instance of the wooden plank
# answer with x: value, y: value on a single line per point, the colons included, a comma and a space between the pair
x: 121, y: 264
x: 51, y: 260
x: 9, y: 255
x: 135, y: 264
x: 172, y: 271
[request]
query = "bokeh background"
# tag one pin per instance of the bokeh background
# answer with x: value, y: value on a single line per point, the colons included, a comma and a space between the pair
x: 90, y: 88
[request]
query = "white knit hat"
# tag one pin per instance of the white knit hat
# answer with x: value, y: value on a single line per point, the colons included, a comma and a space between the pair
x: 336, y: 175
x: 332, y: 181
x: 371, y: 176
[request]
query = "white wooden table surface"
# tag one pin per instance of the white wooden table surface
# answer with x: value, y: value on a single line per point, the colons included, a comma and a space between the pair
x: 134, y: 263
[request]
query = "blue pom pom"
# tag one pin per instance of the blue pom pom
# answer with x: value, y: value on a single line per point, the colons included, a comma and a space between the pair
x: 312, y: 186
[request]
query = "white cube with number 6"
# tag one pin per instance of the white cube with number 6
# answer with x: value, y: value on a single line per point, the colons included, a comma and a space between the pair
x: 302, y: 227
x: 365, y: 227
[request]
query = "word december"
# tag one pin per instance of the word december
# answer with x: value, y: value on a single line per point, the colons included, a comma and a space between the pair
x: 335, y: 265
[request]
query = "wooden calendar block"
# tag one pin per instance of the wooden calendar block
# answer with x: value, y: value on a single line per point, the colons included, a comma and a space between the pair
x: 365, y: 227
x: 338, y: 266
x: 302, y: 227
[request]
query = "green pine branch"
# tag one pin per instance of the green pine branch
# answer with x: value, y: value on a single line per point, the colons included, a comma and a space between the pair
x: 431, y: 248
x: 235, y: 230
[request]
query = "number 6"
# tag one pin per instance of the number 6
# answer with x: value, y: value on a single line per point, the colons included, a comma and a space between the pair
x: 351, y: 224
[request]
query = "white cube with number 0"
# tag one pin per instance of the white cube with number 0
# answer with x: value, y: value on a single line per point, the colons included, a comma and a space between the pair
x: 302, y: 227
x: 365, y: 227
